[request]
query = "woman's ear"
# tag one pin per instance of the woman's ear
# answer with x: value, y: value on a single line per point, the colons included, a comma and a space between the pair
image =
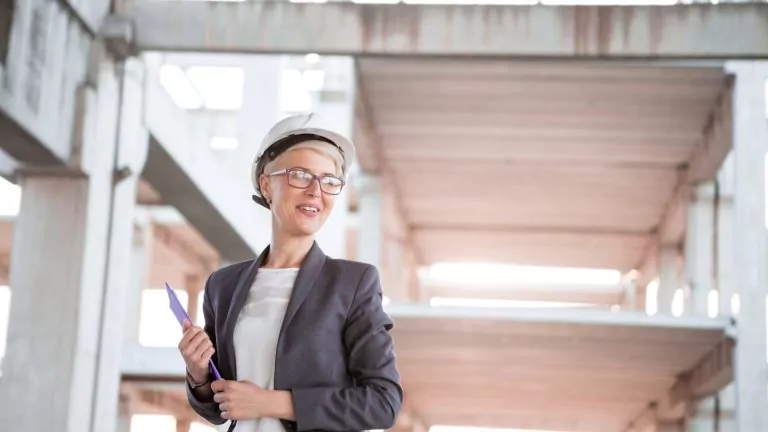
x: 265, y: 188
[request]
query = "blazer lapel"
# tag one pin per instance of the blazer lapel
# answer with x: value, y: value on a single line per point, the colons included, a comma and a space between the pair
x: 239, y: 296
x: 308, y: 274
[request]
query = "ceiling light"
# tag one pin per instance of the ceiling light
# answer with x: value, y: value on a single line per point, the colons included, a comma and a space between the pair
x: 220, y: 87
x: 312, y: 58
x: 499, y: 274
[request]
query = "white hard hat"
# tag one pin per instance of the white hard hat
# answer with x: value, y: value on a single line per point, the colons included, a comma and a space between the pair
x: 278, y: 139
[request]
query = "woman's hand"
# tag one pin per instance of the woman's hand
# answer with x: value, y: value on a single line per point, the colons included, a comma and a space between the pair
x: 196, y: 349
x: 244, y: 400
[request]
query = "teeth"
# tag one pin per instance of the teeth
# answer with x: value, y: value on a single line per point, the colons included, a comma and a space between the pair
x: 312, y: 209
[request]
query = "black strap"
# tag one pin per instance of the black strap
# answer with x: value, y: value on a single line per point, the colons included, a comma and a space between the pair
x: 232, y: 425
x: 260, y: 201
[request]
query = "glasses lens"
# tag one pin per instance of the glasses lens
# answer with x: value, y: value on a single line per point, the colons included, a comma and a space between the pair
x: 299, y: 178
x: 331, y: 185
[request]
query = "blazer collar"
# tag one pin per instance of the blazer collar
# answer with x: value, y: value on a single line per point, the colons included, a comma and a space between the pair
x: 308, y: 273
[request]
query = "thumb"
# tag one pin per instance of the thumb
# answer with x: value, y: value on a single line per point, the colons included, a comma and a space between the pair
x: 186, y: 325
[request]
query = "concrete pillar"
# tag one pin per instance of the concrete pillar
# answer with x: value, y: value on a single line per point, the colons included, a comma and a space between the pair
x: 66, y: 322
x: 55, y: 318
x: 141, y: 260
x: 338, y: 111
x: 726, y: 287
x: 132, y: 149
x: 750, y: 142
x: 669, y: 277
x: 370, y: 237
x: 699, y: 248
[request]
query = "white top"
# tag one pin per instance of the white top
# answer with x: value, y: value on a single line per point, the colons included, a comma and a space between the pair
x: 256, y: 332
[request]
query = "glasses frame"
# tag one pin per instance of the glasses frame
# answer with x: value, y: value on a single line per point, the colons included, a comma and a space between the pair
x: 315, y: 177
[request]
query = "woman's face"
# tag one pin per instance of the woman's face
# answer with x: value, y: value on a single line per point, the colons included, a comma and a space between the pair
x: 299, y: 212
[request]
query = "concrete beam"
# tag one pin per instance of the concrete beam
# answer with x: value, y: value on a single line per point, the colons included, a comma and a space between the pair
x: 693, y: 31
x: 396, y: 249
x: 41, y: 77
x: 713, y: 373
x: 182, y: 168
x: 703, y: 165
x: 8, y: 167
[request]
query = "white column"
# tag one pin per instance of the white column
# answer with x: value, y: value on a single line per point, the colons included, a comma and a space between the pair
x: 370, y: 236
x: 750, y: 142
x: 699, y: 248
x: 58, y: 277
x: 339, y: 113
x: 141, y: 259
x: 725, y: 255
x: 669, y: 277
x: 132, y: 148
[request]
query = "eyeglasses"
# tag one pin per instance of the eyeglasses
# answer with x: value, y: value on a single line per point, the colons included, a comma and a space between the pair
x: 302, y: 179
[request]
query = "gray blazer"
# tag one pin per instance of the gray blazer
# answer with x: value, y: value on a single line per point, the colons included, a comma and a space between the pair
x: 334, y: 351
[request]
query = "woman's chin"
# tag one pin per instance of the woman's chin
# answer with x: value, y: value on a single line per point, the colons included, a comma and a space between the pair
x: 307, y: 228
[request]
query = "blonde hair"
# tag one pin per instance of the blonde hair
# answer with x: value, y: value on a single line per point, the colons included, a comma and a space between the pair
x: 326, y: 149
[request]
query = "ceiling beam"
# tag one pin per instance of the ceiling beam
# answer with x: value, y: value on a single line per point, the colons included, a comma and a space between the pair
x: 681, y: 31
x: 374, y: 162
x: 703, y: 165
x: 712, y: 374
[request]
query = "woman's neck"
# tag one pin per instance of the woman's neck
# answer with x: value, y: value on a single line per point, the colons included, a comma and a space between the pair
x: 288, y: 251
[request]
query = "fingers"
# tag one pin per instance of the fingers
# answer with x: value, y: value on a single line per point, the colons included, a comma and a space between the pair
x: 198, y: 345
x: 218, y: 386
x: 189, y: 334
x: 194, y: 341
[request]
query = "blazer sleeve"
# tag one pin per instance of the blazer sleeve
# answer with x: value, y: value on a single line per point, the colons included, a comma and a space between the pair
x: 375, y: 401
x: 208, y: 409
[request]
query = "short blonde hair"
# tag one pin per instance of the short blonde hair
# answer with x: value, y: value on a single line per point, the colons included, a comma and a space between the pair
x: 324, y: 148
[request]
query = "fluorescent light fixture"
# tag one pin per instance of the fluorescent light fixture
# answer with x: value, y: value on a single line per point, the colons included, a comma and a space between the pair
x: 500, y: 303
x: 496, y: 274
x: 221, y: 87
x: 175, y: 82
x: 652, y: 297
x: 735, y: 305
x: 313, y: 79
x: 312, y: 58
x: 376, y: 1
x: 223, y: 143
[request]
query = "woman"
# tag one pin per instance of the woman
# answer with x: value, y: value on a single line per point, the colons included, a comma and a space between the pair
x: 300, y: 339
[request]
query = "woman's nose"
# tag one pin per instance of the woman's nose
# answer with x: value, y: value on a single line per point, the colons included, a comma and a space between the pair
x: 314, y: 189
